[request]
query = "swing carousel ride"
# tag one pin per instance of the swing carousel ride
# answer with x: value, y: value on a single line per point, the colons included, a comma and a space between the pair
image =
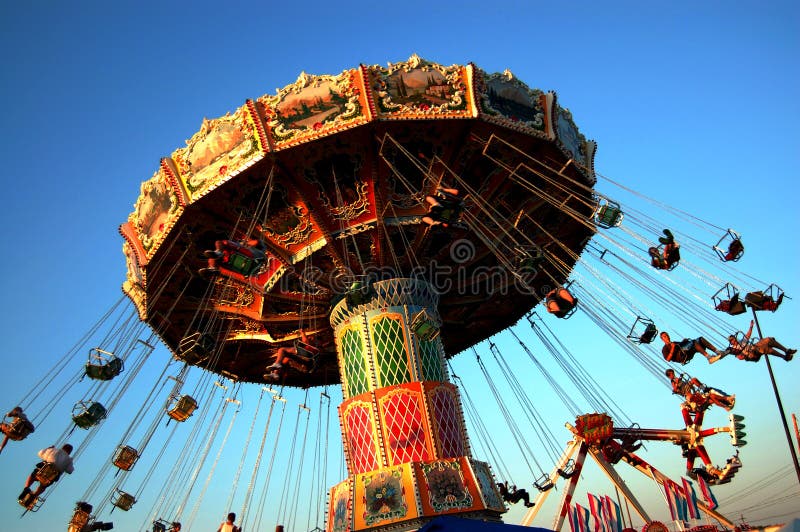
x: 362, y: 229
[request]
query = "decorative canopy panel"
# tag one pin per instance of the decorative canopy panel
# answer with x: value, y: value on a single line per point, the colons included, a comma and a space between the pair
x: 329, y: 177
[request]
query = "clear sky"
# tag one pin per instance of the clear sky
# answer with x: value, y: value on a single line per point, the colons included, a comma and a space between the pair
x: 691, y: 103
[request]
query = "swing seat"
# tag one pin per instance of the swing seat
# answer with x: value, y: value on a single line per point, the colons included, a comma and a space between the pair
x: 769, y: 299
x: 306, y: 350
x: 727, y: 300
x: 80, y: 518
x: 88, y: 415
x: 729, y: 248
x: 734, y: 306
x: 359, y: 293
x: 18, y: 429
x: 544, y: 483
x: 558, y: 305
x: 528, y: 258
x: 242, y: 264
x: 125, y: 457
x: 196, y: 348
x: 569, y: 469
x: 31, y: 502
x: 47, y: 473
x: 649, y: 334
x: 670, y: 262
x: 183, y: 408
x: 449, y: 210
x: 641, y: 335
x: 122, y: 500
x: 424, y: 326
x: 106, y: 370
x: 608, y: 214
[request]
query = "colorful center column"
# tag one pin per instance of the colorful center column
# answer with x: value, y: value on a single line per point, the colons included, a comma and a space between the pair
x: 408, y: 456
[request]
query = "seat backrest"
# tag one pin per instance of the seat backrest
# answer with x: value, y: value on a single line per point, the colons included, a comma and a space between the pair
x: 125, y: 458
x: 46, y: 473
x: 18, y: 429
x: 649, y: 334
x: 183, y: 409
x: 242, y: 264
x: 124, y: 501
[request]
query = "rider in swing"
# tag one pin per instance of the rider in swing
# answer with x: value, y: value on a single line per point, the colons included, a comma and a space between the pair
x: 301, y: 357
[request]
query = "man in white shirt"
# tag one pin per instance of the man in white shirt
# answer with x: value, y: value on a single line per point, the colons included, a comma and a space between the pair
x: 62, y: 461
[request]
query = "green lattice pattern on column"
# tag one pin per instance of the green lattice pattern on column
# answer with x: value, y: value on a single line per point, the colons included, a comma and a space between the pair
x: 390, y: 351
x: 431, y: 362
x: 354, y: 363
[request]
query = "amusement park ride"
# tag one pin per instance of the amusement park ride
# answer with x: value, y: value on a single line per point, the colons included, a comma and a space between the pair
x: 312, y: 238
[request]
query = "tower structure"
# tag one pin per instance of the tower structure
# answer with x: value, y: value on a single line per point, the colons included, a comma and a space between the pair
x: 408, y: 456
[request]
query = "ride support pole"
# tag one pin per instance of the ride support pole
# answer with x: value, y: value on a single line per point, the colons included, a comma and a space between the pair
x: 778, y: 400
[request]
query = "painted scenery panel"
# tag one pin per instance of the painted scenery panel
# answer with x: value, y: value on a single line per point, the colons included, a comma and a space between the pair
x: 221, y: 147
x: 314, y: 106
x: 418, y: 87
x: 514, y: 101
x: 311, y: 107
x: 569, y: 136
x: 155, y: 211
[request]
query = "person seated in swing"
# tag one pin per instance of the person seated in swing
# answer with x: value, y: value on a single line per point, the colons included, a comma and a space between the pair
x: 243, y: 258
x: 444, y: 207
x: 17, y: 429
x: 749, y: 351
x: 682, y: 352
x: 560, y: 302
x: 670, y: 254
x: 59, y: 458
x: 513, y: 495
x: 733, y: 306
x: 760, y: 301
x: 697, y: 394
x: 649, y: 334
x: 735, y: 250
x: 302, y: 357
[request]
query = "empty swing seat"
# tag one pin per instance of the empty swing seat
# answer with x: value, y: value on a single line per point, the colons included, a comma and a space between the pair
x: 569, y: 469
x: 643, y: 331
x: 196, y: 348
x: 183, y: 409
x: 122, y: 500
x: 87, y: 415
x: 544, y: 483
x: 106, y: 370
x: 125, y: 457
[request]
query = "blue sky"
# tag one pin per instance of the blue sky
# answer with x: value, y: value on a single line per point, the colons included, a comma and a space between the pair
x: 692, y: 104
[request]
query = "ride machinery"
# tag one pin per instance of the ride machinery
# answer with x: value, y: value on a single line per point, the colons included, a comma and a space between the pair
x: 309, y: 206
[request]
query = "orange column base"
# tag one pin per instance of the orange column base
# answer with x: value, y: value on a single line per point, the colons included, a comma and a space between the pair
x: 405, y: 496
